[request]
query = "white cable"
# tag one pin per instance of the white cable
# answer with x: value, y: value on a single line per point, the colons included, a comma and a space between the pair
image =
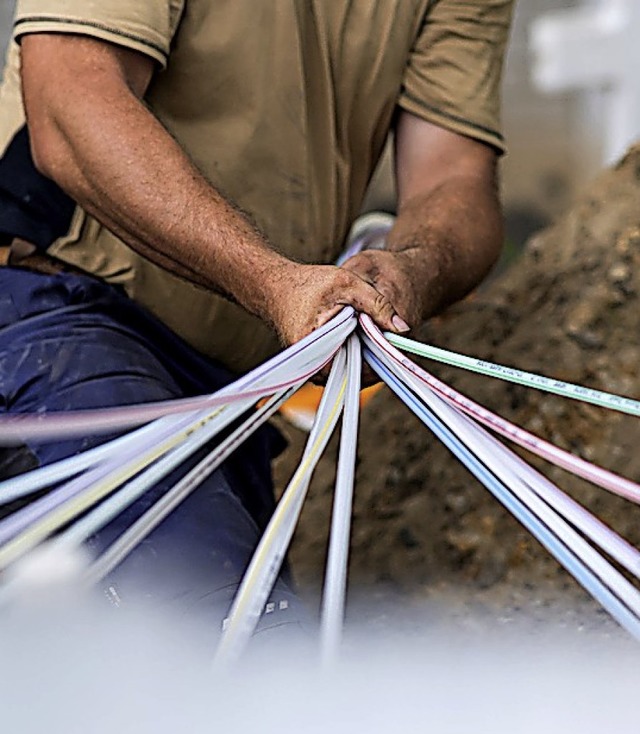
x: 332, y: 619
x: 484, y: 447
x: 265, y: 564
x: 180, y: 491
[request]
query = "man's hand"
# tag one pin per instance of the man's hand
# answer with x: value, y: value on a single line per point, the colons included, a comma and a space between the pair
x: 307, y: 296
x: 393, y: 276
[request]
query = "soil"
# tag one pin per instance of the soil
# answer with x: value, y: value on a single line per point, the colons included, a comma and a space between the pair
x: 423, y: 527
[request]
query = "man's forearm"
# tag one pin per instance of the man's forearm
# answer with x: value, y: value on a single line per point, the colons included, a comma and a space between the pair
x: 116, y: 160
x: 448, y: 239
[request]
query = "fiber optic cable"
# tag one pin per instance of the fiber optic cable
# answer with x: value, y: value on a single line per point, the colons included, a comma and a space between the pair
x: 265, y: 564
x: 332, y: 617
x: 553, y: 543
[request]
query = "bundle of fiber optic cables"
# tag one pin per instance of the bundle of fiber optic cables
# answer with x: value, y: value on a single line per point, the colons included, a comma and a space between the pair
x: 90, y: 489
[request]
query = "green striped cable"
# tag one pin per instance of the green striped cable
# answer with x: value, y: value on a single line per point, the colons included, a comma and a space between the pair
x: 519, y: 377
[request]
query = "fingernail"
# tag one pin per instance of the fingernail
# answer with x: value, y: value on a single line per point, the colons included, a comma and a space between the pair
x: 400, y: 324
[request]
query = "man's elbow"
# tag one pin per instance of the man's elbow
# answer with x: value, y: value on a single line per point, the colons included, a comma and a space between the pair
x: 45, y: 104
x: 47, y: 147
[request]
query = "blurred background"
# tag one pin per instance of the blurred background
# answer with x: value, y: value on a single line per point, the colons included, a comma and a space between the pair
x: 571, y: 104
x: 6, y: 11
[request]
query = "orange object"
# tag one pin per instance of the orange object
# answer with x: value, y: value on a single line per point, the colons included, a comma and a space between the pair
x: 301, y: 407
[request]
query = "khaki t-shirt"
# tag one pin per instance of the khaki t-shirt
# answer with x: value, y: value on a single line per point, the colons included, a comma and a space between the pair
x: 284, y: 105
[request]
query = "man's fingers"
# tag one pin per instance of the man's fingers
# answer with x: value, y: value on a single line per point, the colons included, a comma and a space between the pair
x: 399, y: 324
x: 321, y: 292
x: 375, y: 304
x: 326, y: 315
x: 375, y: 268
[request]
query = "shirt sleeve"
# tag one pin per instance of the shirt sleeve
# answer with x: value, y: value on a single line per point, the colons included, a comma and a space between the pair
x: 146, y: 26
x: 453, y: 76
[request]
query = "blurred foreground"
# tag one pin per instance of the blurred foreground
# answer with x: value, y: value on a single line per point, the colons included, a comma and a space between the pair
x: 70, y: 667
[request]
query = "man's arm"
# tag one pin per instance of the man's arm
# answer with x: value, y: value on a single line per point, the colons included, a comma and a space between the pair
x: 91, y: 134
x: 448, y: 232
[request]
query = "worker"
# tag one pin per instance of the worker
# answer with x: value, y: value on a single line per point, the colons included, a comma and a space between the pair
x: 177, y: 178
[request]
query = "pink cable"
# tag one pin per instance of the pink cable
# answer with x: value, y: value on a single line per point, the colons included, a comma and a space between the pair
x: 17, y: 428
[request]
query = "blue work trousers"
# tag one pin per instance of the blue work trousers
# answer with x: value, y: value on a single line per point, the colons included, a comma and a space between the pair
x: 69, y: 341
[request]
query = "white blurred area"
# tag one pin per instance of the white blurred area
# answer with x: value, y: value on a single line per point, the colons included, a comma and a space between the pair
x: 76, y: 669
x: 71, y: 663
x: 571, y: 97
x: 594, y: 48
x: 6, y: 13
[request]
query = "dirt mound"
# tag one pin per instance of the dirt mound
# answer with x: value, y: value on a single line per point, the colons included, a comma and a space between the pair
x: 568, y: 309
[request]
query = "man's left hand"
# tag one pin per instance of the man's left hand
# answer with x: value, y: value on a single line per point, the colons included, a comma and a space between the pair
x: 392, y: 275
